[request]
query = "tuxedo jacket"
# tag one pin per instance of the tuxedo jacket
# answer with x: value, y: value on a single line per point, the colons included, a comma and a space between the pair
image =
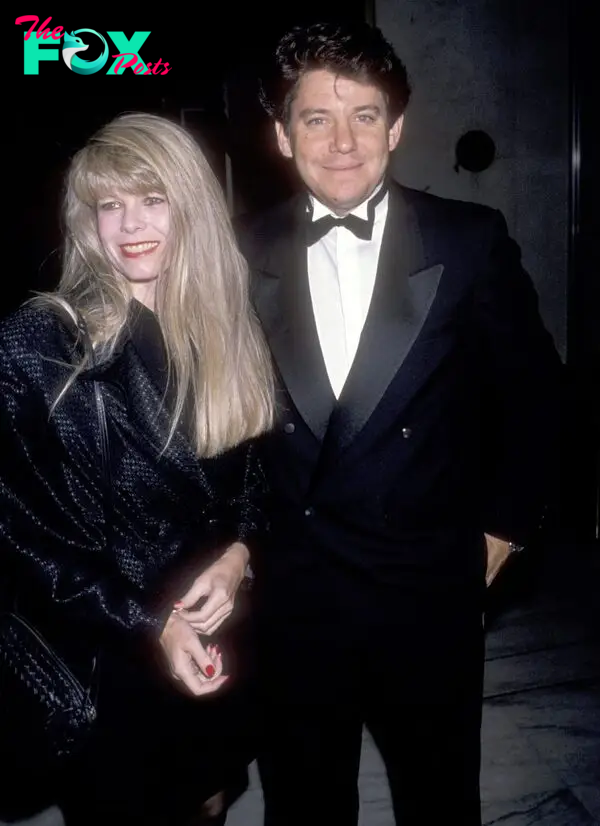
x: 446, y: 427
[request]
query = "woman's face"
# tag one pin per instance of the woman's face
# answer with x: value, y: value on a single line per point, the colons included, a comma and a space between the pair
x: 134, y: 231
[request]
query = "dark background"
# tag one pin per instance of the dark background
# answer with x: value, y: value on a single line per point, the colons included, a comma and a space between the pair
x: 215, y: 54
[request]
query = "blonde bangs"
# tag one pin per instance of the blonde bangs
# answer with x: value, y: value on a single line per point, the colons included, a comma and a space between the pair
x: 100, y: 171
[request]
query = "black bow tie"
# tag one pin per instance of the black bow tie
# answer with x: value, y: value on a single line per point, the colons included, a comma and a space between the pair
x: 361, y: 227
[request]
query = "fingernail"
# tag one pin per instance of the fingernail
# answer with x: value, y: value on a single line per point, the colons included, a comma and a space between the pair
x: 217, y: 650
x: 177, y: 605
x: 209, y: 671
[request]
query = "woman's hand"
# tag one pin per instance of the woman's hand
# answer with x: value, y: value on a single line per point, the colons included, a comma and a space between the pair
x: 219, y: 584
x: 199, y: 669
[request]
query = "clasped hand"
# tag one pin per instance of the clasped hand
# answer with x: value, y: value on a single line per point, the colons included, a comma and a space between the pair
x: 200, y: 667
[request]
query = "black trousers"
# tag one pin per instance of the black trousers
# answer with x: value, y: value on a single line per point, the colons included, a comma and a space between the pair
x: 421, y: 703
x: 309, y: 764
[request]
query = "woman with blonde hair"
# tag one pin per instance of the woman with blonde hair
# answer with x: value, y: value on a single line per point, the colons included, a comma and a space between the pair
x: 130, y: 405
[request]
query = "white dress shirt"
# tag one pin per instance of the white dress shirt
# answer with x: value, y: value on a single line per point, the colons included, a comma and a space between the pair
x: 341, y: 275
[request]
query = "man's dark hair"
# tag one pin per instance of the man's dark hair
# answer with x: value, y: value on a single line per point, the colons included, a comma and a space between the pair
x: 353, y: 50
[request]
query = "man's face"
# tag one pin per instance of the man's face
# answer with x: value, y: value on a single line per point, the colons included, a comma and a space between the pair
x: 339, y: 138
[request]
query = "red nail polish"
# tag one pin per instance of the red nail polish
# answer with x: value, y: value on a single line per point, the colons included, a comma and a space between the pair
x: 178, y: 605
x: 210, y: 670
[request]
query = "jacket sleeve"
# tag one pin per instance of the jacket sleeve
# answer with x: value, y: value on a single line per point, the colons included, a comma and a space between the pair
x: 53, y: 539
x: 524, y: 373
x: 247, y: 508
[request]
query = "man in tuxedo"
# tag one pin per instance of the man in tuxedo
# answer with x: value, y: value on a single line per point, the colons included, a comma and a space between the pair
x: 419, y: 393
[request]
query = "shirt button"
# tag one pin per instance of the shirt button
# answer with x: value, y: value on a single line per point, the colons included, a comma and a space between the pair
x: 309, y: 512
x: 289, y: 427
x: 406, y: 432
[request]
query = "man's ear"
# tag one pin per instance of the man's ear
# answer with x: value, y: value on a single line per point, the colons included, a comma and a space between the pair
x: 394, y: 133
x: 283, y: 141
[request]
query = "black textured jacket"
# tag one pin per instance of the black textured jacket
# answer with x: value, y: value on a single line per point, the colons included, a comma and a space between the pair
x: 108, y: 563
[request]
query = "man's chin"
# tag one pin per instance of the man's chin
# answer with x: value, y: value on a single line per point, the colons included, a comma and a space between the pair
x: 344, y: 200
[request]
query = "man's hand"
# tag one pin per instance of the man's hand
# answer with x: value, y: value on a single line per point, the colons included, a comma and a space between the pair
x: 219, y: 584
x: 498, y: 551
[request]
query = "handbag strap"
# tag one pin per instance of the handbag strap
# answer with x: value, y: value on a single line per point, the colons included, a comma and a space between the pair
x: 101, y: 414
x: 104, y: 443
x: 107, y: 499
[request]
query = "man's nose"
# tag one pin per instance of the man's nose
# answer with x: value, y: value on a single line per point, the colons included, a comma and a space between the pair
x: 343, y: 139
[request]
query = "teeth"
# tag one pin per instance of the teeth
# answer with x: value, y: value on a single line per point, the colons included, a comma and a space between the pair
x: 140, y: 247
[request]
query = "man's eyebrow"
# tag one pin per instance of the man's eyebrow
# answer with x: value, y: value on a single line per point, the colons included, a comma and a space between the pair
x: 313, y: 111
x: 310, y: 110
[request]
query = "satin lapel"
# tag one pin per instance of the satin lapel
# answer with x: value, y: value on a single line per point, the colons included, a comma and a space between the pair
x: 402, y: 297
x: 283, y: 303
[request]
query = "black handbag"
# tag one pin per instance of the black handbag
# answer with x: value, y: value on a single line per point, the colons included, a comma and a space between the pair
x: 38, y: 686
x: 39, y: 691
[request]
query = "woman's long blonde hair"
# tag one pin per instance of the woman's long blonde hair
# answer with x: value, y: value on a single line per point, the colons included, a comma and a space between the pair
x: 216, y: 354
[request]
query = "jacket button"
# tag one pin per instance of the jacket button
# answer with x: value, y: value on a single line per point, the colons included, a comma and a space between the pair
x: 406, y: 432
x: 289, y: 427
x: 309, y: 512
